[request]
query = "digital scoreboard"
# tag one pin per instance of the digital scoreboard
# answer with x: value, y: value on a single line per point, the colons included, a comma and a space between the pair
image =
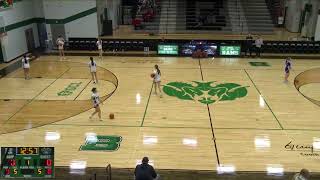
x: 24, y: 162
x: 230, y: 50
x: 166, y: 49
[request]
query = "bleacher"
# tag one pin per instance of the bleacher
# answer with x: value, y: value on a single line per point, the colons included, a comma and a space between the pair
x: 274, y: 7
x: 145, y: 15
x: 205, y: 15
x: 275, y: 47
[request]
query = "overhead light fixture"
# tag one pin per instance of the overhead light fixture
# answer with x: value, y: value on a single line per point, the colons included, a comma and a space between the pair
x: 262, y: 142
x: 138, y: 98
x: 151, y: 162
x: 226, y: 169
x: 190, y: 142
x: 262, y: 103
x: 52, y: 136
x: 78, y: 167
x: 91, y: 138
x: 316, y: 144
x: 275, y: 170
x: 149, y: 140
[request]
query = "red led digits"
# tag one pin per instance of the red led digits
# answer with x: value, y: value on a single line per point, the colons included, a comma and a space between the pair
x: 12, y: 162
x: 7, y: 172
x: 48, y: 162
x: 49, y: 171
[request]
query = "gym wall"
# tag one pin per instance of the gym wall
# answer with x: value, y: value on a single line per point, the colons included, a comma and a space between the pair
x: 79, y: 17
x: 16, y: 20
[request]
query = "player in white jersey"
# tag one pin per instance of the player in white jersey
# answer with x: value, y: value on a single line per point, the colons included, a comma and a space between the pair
x: 99, y: 46
x: 96, y: 103
x: 60, y: 44
x: 157, y: 79
x: 26, y: 66
x: 93, y: 70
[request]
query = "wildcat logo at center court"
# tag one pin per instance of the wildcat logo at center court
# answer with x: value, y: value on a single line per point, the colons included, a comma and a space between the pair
x: 205, y: 92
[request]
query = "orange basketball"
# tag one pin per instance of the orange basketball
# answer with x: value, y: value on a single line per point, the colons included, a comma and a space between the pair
x: 111, y: 116
x: 152, y: 75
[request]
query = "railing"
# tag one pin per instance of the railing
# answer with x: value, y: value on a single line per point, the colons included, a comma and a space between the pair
x: 106, y: 176
x: 108, y: 171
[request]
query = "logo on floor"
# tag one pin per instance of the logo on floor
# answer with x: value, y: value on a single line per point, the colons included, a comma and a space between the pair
x: 101, y: 143
x: 69, y: 89
x: 204, y: 92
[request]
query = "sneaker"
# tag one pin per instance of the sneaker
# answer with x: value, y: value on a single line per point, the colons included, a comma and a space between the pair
x: 161, y: 96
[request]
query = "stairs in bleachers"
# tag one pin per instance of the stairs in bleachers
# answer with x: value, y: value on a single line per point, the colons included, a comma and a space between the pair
x: 152, y: 26
x: 207, y: 15
x: 258, y: 17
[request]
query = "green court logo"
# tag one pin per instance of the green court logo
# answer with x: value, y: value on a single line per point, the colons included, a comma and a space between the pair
x: 69, y: 89
x: 102, y: 143
x: 205, y: 92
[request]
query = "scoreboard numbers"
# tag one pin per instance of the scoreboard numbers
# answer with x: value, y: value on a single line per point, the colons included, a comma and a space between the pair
x: 27, y: 162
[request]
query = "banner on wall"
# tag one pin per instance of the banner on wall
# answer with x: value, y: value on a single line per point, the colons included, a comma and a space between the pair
x: 4, y: 4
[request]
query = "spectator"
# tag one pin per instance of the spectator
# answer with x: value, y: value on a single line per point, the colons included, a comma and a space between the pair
x: 248, y: 44
x: 163, y: 40
x: 303, y: 175
x: 145, y: 171
x: 258, y: 43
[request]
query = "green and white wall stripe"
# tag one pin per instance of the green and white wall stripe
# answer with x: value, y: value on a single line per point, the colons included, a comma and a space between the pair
x: 16, y: 20
x: 78, y: 16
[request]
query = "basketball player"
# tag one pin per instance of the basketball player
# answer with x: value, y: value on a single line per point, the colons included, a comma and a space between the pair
x: 157, y: 79
x: 258, y: 43
x: 288, y: 66
x: 60, y: 44
x: 26, y: 66
x: 96, y: 101
x: 93, y: 70
x: 99, y: 45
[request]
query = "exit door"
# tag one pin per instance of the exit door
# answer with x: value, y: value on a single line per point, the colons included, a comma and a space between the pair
x: 30, y: 39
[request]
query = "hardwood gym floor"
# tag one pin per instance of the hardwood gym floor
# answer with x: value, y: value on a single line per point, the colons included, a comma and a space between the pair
x: 246, y: 119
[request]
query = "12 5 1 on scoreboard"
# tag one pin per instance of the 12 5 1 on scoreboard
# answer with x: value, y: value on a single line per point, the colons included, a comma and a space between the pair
x: 24, y: 162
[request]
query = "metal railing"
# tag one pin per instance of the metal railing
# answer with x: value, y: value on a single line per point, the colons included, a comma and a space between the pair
x: 107, y: 176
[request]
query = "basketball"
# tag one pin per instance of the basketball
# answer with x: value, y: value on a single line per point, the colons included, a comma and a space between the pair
x: 152, y: 75
x: 111, y: 116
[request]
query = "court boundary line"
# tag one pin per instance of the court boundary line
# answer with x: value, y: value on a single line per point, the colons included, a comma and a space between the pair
x: 210, y: 119
x: 169, y: 127
x: 35, y: 96
x: 83, y: 89
x: 264, y: 99
x: 147, y: 105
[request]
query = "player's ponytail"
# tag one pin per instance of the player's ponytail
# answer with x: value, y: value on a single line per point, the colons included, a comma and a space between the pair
x: 92, y: 63
x: 158, y: 70
x: 25, y: 59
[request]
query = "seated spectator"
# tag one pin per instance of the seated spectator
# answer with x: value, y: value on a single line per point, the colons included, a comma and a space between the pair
x: 145, y: 171
x: 303, y: 175
x: 248, y: 44
x: 137, y: 23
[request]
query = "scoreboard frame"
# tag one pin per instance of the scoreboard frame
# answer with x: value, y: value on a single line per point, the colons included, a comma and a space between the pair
x: 27, y: 162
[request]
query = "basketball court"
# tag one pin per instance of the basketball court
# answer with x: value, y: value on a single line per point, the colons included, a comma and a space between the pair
x: 225, y: 112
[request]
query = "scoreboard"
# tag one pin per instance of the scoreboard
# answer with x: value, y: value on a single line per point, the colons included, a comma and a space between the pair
x: 24, y: 162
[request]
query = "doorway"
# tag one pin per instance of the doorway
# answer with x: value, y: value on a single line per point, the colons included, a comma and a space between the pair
x: 56, y: 31
x: 30, y: 39
x: 42, y: 32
